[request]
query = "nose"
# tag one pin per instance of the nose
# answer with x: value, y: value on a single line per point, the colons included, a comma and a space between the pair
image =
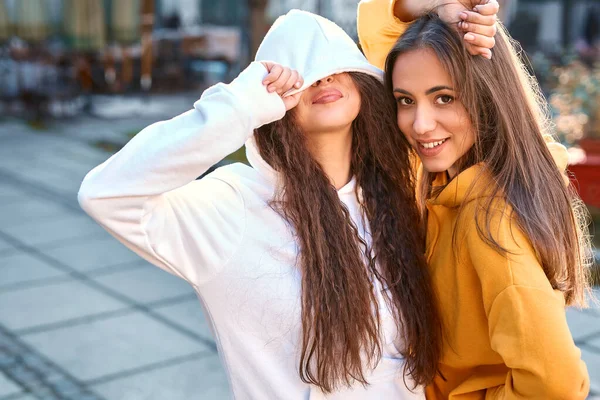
x: 323, y: 81
x: 424, y: 120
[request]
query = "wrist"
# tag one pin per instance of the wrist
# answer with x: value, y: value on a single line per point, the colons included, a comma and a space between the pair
x: 264, y: 107
x: 409, y: 10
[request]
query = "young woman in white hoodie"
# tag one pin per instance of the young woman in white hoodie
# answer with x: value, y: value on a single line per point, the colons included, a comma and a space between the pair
x: 308, y: 263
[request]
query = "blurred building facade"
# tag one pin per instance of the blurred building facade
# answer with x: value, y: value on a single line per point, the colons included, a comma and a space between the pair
x: 552, y: 24
x: 54, y: 51
x: 342, y: 12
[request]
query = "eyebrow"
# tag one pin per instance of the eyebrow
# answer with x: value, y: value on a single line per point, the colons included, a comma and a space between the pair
x: 428, y: 92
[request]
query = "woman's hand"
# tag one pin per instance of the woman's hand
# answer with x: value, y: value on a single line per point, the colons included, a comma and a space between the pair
x: 475, y: 18
x: 478, y: 23
x: 282, y: 79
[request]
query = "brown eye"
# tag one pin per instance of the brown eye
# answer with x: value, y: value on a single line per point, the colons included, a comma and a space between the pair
x: 404, y: 101
x: 444, y: 99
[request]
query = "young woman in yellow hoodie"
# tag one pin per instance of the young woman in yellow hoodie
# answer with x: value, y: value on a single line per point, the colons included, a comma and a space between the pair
x: 505, y: 244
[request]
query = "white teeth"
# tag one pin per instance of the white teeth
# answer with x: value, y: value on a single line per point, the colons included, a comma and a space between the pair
x: 432, y: 144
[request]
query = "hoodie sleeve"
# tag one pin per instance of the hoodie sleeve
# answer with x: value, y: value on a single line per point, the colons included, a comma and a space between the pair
x: 378, y: 29
x: 147, y: 197
x: 527, y: 324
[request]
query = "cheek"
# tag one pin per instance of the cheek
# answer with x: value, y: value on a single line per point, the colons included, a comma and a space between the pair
x: 355, y: 106
x: 301, y: 111
x: 300, y: 117
x: 459, y: 123
x: 457, y: 116
x: 404, y: 121
x: 469, y: 140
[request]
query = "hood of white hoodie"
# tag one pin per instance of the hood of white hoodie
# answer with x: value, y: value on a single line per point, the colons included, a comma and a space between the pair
x: 316, y: 48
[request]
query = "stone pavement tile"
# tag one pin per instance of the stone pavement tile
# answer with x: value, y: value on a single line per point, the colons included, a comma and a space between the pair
x: 592, y: 361
x: 145, y: 285
x: 22, y: 267
x: 27, y: 211
x: 112, y: 346
x: 188, y: 314
x: 10, y: 194
x: 55, y: 180
x: 582, y: 324
x: 5, y: 246
x: 595, y: 342
x: 102, y: 129
x: 8, y: 387
x: 35, y: 306
x: 55, y: 230
x: 202, y: 378
x: 85, y: 154
x: 52, y: 152
x: 37, y: 375
x: 90, y: 254
x: 595, y: 302
x: 65, y: 162
x: 8, y: 127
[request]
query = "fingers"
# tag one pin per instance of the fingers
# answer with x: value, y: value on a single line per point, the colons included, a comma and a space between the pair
x: 275, y: 71
x: 480, y: 28
x: 490, y: 8
x: 292, y: 100
x: 474, y: 18
x: 479, y: 51
x: 484, y: 30
x: 279, y: 84
x: 293, y: 81
x: 281, y: 79
x: 478, y: 40
x: 300, y: 81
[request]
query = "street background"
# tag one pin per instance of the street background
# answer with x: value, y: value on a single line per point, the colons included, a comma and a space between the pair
x: 82, y: 317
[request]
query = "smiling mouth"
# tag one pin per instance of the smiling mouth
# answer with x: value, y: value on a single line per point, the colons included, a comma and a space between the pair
x: 432, y: 145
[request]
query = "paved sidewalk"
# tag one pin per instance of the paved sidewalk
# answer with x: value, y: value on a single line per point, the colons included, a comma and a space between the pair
x: 81, y: 317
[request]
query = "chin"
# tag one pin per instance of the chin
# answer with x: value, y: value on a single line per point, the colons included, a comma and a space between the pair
x: 330, y: 123
x: 330, y: 127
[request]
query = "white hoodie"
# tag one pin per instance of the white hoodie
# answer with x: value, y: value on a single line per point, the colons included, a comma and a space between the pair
x: 219, y: 233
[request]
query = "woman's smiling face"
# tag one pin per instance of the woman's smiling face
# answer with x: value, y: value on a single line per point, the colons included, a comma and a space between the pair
x: 430, y: 115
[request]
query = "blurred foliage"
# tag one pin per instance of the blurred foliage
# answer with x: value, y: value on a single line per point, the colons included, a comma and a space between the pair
x: 238, y: 156
x: 573, y: 91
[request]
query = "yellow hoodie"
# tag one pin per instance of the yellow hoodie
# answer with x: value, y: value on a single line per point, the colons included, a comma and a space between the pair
x: 506, y: 335
x: 505, y: 330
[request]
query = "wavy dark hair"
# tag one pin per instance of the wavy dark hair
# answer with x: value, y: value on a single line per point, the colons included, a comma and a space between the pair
x: 340, y: 317
x: 511, y: 121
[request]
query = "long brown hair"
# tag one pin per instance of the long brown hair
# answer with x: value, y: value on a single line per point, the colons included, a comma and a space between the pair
x: 510, y: 119
x: 340, y: 317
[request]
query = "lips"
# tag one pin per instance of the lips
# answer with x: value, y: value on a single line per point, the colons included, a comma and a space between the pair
x: 431, y: 148
x: 432, y: 144
x: 327, y: 96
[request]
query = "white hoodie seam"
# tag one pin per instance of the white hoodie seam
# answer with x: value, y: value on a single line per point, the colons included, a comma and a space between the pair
x: 143, y: 214
x: 239, y: 246
x: 217, y: 268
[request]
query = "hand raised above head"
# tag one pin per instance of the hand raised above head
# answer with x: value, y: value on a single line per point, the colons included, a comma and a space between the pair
x: 476, y: 19
x: 280, y: 80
